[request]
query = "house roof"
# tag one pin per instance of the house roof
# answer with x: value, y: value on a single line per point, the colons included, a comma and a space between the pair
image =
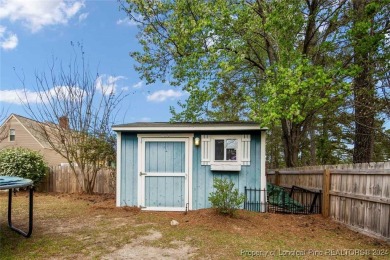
x: 187, y: 126
x: 31, y: 126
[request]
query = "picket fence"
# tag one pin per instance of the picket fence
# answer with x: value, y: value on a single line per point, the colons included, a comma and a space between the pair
x: 357, y: 195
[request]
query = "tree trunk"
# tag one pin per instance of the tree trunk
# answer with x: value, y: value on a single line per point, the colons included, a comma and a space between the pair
x: 88, y: 186
x: 364, y: 117
x: 313, y: 147
x: 364, y: 89
x: 291, y: 136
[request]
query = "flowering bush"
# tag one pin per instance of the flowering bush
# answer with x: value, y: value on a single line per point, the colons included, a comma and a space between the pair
x: 23, y: 163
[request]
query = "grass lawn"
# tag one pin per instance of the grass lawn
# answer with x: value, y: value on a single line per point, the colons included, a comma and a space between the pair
x: 91, y: 227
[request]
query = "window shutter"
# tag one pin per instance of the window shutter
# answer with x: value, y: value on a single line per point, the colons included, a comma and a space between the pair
x: 206, y: 150
x: 246, y: 150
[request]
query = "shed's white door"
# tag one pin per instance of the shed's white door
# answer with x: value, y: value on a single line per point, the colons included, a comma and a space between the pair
x: 164, y: 174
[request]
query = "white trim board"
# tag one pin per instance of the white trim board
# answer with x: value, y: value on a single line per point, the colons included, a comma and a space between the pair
x: 176, y: 128
x: 159, y: 136
x: 163, y: 208
x: 263, y: 177
x: 118, y: 168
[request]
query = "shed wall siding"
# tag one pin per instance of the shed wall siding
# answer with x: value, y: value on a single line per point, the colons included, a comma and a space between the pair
x: 129, y: 170
x: 203, y: 176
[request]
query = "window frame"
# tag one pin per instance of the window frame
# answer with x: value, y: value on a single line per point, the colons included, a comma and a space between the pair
x: 225, y: 149
x: 226, y: 165
x: 12, y: 133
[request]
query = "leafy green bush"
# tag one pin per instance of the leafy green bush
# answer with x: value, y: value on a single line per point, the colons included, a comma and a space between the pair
x: 225, y: 199
x: 23, y: 163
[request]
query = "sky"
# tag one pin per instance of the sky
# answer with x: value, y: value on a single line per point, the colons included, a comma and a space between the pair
x: 33, y: 32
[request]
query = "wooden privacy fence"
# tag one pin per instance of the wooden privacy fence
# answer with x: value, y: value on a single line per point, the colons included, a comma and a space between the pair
x: 62, y: 179
x: 357, y: 195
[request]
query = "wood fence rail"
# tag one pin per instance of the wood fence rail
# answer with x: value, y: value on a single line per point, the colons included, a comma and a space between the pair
x: 62, y: 179
x: 356, y: 195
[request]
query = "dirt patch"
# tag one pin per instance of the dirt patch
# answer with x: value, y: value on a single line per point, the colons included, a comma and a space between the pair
x: 137, y: 249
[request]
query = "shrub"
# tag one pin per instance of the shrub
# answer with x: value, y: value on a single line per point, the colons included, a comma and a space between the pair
x: 225, y: 199
x: 23, y: 163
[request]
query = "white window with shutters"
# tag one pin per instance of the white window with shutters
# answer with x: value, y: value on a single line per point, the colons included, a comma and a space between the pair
x: 225, y: 152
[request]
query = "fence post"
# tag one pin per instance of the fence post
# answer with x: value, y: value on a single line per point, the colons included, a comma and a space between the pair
x: 325, y: 193
x: 277, y: 178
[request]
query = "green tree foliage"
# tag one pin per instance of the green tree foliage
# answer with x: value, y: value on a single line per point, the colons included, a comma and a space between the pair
x: 275, y: 155
x: 271, y: 48
x: 225, y: 199
x: 370, y: 48
x: 91, y: 154
x: 23, y: 163
x: 286, y: 63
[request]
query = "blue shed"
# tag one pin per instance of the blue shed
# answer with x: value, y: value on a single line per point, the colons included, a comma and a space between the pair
x: 171, y: 166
